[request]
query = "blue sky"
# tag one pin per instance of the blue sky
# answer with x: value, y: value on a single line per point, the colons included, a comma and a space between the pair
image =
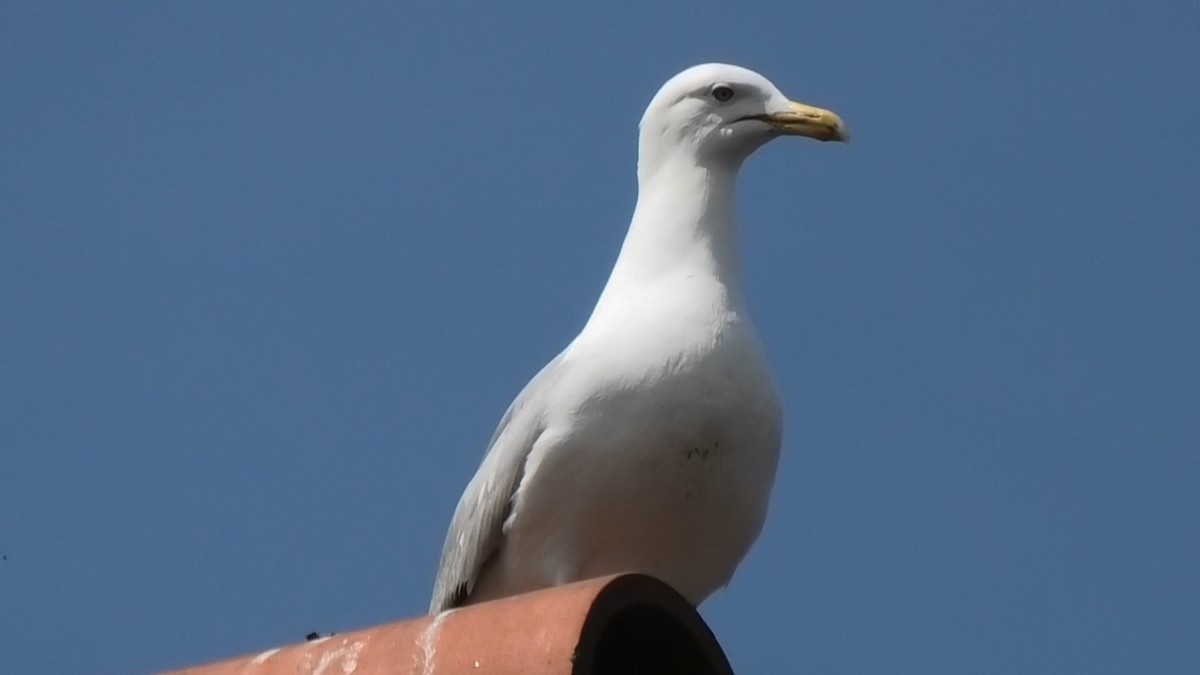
x: 270, y: 274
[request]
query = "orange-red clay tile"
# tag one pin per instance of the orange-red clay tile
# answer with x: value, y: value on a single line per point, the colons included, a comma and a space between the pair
x: 624, y: 624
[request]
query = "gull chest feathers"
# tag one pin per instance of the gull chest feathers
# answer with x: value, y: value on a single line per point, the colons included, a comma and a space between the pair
x: 650, y: 443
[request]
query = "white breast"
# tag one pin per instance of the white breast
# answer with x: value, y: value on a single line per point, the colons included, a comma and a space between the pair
x: 665, y: 468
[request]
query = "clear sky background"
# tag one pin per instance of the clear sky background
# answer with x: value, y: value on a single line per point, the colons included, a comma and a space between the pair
x: 270, y: 274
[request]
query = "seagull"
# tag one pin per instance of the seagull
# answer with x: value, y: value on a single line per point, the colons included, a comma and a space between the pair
x: 650, y: 443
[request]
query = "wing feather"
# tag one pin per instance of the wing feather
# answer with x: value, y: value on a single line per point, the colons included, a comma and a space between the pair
x: 476, y: 531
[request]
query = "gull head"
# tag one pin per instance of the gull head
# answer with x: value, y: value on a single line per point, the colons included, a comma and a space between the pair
x: 716, y: 115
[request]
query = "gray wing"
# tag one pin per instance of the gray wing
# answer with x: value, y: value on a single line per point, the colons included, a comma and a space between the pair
x: 477, y: 528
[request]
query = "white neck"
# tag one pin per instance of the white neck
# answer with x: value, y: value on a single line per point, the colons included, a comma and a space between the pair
x: 684, y: 223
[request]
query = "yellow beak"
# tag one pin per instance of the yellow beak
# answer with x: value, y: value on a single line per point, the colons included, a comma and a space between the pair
x: 806, y: 120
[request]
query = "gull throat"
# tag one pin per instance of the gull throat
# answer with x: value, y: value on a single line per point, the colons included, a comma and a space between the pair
x: 684, y: 223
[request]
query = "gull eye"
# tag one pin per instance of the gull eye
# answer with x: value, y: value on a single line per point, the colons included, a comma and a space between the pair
x: 722, y: 92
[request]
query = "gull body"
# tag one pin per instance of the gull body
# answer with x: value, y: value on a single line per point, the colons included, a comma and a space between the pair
x: 650, y: 443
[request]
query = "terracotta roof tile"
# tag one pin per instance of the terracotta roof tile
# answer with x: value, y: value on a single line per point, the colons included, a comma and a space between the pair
x: 624, y: 624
